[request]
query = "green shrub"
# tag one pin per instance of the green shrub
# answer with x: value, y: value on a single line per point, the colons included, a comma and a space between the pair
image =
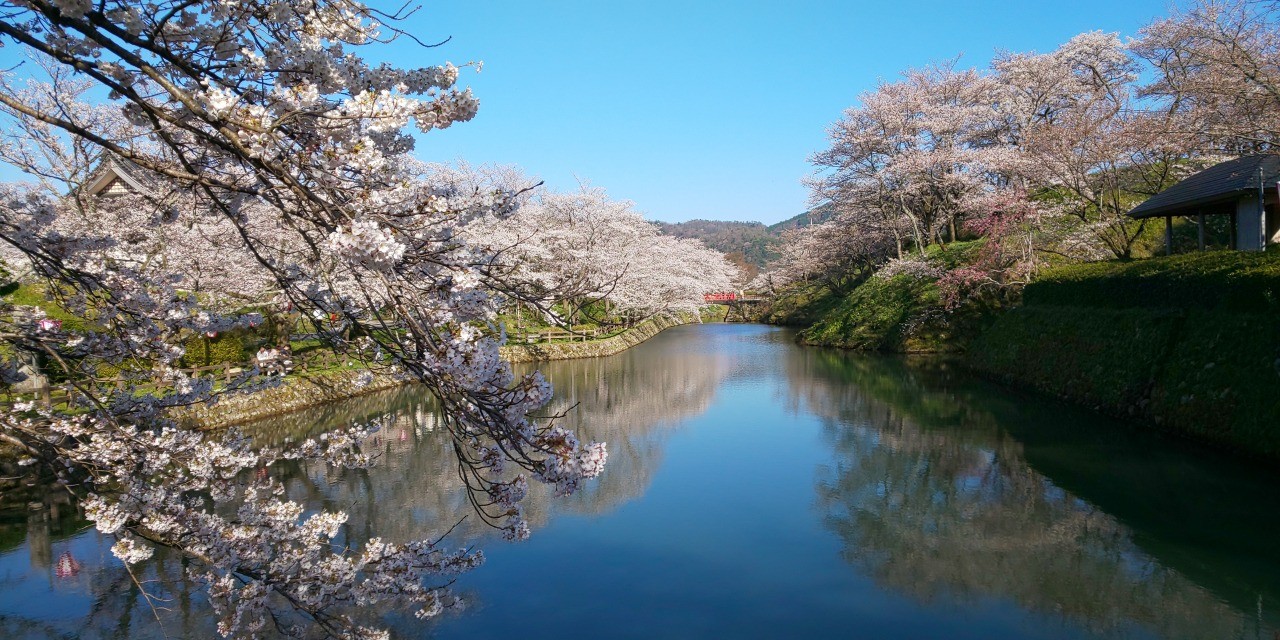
x: 714, y: 313
x: 203, y: 351
x: 108, y: 371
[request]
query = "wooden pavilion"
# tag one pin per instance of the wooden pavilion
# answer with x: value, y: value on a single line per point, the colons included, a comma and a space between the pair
x: 1244, y: 188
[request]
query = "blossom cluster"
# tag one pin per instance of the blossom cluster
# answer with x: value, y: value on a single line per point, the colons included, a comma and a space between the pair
x: 367, y: 245
x: 913, y: 267
x: 572, y: 249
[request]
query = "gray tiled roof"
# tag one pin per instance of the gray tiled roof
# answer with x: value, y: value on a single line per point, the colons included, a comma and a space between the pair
x: 139, y: 180
x: 1220, y: 182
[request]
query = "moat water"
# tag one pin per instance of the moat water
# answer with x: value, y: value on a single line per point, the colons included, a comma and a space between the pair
x: 756, y: 488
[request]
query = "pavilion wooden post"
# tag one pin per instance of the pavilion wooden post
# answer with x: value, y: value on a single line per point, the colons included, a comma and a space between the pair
x: 1234, y: 244
x: 1200, y: 225
x: 1168, y: 235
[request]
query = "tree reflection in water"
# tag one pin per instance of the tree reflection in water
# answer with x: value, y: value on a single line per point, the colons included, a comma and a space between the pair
x: 959, y: 514
x: 628, y: 401
x: 629, y: 404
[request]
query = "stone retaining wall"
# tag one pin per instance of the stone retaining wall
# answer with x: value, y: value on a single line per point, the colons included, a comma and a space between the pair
x: 302, y: 391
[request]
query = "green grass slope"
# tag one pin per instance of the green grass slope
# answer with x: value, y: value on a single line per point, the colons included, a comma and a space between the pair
x: 899, y: 314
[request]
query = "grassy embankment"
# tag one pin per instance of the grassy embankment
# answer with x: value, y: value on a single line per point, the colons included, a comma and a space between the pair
x: 322, y: 374
x: 898, y: 315
x: 237, y: 348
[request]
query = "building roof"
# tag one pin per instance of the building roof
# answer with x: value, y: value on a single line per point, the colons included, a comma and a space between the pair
x: 115, y: 170
x: 1221, y: 182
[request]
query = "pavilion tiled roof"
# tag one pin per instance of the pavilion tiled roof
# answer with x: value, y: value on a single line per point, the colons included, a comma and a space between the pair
x: 116, y: 169
x: 1221, y: 182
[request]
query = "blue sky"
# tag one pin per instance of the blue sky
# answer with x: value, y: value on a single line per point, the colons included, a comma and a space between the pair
x: 703, y: 109
x: 708, y: 109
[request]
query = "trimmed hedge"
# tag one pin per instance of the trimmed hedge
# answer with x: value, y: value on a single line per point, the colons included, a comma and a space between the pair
x: 1213, y: 375
x: 1241, y: 281
x: 1106, y: 358
x: 1221, y: 380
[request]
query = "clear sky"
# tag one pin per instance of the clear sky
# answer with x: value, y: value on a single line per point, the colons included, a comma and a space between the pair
x: 708, y: 109
x: 703, y: 109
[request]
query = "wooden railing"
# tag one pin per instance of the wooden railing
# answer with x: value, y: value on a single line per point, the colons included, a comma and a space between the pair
x: 554, y: 335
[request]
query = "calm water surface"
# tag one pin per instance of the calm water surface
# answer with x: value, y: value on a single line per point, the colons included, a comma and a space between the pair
x: 760, y: 489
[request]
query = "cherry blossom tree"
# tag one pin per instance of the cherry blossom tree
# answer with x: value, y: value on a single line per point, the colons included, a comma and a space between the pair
x: 1008, y: 220
x: 1072, y: 119
x: 1217, y: 65
x: 672, y: 274
x: 156, y: 224
x: 573, y: 250
x: 839, y: 254
x: 1068, y: 130
x: 268, y: 117
x: 909, y: 153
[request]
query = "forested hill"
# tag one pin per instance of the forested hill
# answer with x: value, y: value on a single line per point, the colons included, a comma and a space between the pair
x: 816, y: 215
x: 751, y: 243
x: 748, y: 243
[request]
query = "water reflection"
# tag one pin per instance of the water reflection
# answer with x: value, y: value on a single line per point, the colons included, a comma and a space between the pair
x: 941, y: 494
x: 36, y: 511
x: 414, y: 490
x: 932, y: 496
x: 412, y: 493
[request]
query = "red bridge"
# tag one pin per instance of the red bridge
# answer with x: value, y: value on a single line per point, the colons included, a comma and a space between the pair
x: 737, y: 303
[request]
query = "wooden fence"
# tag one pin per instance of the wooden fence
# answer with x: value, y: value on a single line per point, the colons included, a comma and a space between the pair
x: 557, y: 335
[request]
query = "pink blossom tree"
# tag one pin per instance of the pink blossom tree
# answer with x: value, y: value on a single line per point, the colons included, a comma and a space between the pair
x: 573, y: 250
x: 1217, y: 65
x: 267, y: 117
x: 838, y: 254
x: 911, y: 151
x: 1077, y: 135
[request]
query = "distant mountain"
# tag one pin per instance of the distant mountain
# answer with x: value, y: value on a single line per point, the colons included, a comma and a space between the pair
x: 750, y: 244
x: 754, y: 242
x: 816, y: 215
